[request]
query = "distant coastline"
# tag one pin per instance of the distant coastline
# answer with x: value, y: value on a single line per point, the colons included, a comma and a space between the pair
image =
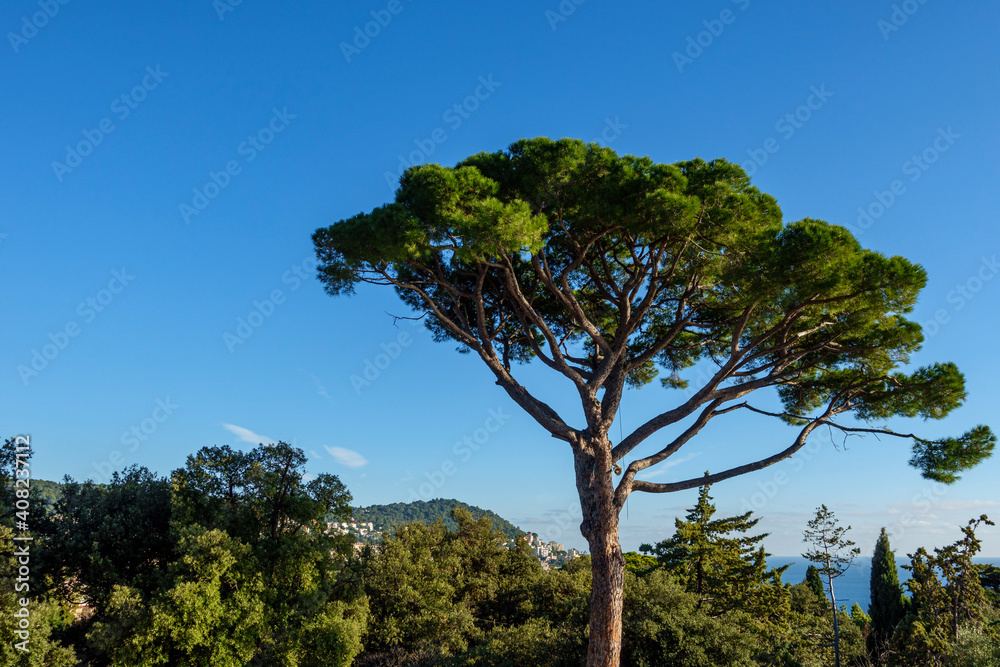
x: 854, y: 585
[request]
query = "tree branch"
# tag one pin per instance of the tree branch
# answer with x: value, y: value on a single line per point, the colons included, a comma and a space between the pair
x: 654, y: 487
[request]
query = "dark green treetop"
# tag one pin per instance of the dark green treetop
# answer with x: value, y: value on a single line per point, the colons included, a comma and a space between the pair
x: 257, y: 493
x: 989, y: 578
x: 815, y: 582
x: 245, y: 572
x: 110, y: 535
x: 887, y: 606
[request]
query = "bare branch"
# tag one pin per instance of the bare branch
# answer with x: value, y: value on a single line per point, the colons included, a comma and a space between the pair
x: 396, y: 318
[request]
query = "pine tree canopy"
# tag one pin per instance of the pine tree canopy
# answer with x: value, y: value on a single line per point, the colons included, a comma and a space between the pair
x: 612, y: 270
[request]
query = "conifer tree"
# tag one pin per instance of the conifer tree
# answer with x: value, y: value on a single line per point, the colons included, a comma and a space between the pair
x: 833, y: 553
x: 923, y: 635
x: 715, y: 558
x: 946, y: 597
x: 815, y: 582
x: 862, y: 620
x: 887, y: 602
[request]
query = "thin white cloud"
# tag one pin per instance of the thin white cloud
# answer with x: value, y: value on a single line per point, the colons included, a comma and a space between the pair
x: 246, y: 435
x: 662, y: 468
x: 346, y: 457
x: 943, y: 505
x: 321, y: 390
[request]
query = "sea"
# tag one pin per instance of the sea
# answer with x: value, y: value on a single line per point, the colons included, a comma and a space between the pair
x: 854, y: 585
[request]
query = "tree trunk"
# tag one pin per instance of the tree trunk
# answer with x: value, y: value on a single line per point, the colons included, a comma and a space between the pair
x: 606, y: 599
x: 600, y: 527
x: 836, y: 623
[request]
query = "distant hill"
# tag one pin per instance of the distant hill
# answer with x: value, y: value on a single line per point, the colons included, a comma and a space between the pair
x: 48, y: 492
x: 384, y: 517
x: 45, y: 492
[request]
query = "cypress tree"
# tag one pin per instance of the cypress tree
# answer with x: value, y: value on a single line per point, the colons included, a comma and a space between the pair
x: 815, y: 582
x: 887, y: 602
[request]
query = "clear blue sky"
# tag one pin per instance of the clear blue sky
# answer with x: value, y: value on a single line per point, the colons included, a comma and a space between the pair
x: 114, y: 114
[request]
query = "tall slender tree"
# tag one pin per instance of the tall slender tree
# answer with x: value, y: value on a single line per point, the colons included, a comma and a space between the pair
x: 887, y: 600
x: 832, y: 553
x: 609, y: 269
